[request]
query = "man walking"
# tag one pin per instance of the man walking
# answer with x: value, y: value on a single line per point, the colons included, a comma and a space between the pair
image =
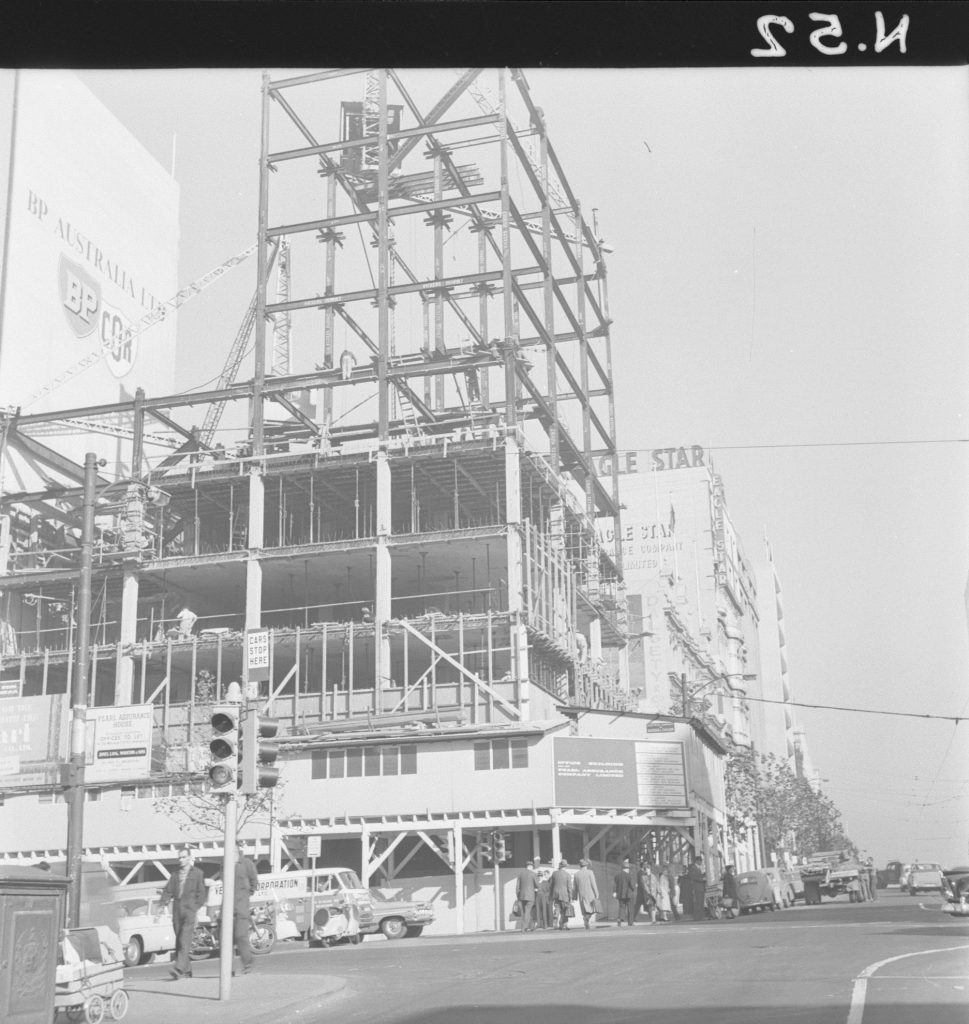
x: 246, y: 883
x: 624, y: 890
x: 586, y: 891
x: 526, y: 891
x: 185, y: 889
x: 560, y: 887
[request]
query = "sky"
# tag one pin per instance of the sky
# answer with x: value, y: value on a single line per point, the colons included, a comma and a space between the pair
x: 788, y: 289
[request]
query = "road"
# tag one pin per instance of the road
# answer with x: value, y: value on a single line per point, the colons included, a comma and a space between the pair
x: 824, y: 965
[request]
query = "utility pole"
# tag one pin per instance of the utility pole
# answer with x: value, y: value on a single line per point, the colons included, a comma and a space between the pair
x: 79, y: 695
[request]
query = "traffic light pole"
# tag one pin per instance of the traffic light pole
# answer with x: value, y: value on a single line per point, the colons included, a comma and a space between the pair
x: 228, y: 894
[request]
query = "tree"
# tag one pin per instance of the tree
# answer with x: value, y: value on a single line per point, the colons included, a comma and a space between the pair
x: 792, y: 816
x: 195, y: 810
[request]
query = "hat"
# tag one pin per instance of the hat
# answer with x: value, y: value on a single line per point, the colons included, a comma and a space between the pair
x: 583, y: 863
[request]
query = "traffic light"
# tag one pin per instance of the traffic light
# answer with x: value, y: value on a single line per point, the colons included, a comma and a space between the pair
x: 487, y: 852
x: 500, y: 851
x: 259, y: 753
x: 224, y: 745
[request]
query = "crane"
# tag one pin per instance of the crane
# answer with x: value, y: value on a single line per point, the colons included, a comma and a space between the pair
x: 213, y: 414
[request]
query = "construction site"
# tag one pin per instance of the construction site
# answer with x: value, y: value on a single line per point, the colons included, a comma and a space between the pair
x: 398, y: 482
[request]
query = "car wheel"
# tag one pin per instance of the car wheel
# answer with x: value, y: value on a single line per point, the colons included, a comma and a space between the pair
x: 393, y: 927
x: 414, y: 930
x: 133, y: 952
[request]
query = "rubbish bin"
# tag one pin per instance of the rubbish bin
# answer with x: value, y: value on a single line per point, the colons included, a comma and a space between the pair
x: 32, y: 905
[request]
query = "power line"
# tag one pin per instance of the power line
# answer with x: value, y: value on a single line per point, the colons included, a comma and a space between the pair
x: 713, y: 448
x: 860, y: 711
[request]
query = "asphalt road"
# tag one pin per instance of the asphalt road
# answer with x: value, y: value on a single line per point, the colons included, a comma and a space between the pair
x: 895, y: 961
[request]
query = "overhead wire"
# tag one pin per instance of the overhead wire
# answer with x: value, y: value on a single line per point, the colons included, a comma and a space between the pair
x: 861, y: 711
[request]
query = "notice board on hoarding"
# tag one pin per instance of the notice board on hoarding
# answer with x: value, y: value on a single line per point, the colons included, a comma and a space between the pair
x: 593, y: 772
x: 118, y: 743
x: 33, y: 738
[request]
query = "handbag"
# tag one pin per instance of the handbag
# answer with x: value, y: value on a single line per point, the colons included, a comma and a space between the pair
x: 597, y: 906
x: 516, y: 909
x: 569, y: 910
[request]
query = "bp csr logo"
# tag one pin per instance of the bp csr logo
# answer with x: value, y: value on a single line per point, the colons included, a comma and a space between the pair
x: 88, y: 314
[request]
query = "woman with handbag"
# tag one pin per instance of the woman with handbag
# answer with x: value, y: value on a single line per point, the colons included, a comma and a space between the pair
x: 664, y: 906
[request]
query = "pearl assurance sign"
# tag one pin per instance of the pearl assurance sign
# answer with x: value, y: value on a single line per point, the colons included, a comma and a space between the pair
x: 619, y: 773
x: 118, y: 743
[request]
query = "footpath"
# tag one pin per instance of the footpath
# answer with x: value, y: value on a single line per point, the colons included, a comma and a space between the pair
x: 257, y: 998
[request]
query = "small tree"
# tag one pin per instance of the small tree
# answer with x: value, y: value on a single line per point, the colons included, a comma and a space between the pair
x: 196, y: 810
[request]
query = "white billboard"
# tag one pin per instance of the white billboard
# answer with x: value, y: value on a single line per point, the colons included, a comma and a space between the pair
x: 118, y: 743
x: 92, y: 247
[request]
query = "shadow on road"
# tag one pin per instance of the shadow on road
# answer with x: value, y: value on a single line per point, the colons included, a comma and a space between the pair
x: 574, y: 1013
x: 941, y: 930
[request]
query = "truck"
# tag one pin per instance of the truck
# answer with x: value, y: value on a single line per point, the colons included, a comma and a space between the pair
x: 325, y: 906
x: 831, y: 873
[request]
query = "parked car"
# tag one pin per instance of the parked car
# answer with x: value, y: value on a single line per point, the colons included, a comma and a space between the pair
x: 757, y: 891
x: 795, y: 883
x: 924, y: 878
x: 145, y: 929
x: 398, y: 919
x: 783, y: 891
x: 955, y: 890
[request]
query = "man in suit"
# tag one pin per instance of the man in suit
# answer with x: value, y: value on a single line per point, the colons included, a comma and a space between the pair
x: 185, y: 889
x: 586, y: 891
x: 526, y: 891
x: 624, y: 889
x: 246, y: 883
x: 560, y: 888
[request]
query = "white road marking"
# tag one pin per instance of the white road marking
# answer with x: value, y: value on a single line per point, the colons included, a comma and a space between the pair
x: 860, y: 988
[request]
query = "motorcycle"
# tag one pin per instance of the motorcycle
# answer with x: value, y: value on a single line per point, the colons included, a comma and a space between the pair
x: 262, y: 933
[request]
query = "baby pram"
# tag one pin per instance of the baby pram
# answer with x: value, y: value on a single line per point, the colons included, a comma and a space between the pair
x: 89, y: 978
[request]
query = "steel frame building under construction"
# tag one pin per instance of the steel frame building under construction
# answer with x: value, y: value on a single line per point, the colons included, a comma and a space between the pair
x: 413, y: 515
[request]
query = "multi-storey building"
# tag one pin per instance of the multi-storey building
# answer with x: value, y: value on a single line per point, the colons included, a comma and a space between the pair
x: 692, y: 602
x: 415, y: 529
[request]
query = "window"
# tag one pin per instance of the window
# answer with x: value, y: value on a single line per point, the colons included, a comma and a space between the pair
x: 92, y: 795
x: 357, y: 762
x: 491, y: 754
x: 50, y: 798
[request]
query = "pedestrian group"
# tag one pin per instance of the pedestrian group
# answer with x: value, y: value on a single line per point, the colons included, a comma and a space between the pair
x: 546, y: 898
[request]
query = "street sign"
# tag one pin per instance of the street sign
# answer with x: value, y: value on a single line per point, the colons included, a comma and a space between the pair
x: 257, y: 655
x: 314, y: 846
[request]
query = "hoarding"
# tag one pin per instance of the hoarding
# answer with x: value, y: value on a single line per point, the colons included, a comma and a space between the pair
x: 619, y: 773
x: 33, y: 738
x: 118, y: 743
x: 92, y: 247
